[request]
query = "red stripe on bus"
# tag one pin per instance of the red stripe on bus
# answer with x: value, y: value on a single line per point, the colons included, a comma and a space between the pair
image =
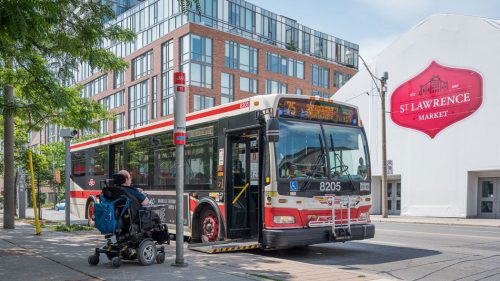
x: 79, y: 194
x: 225, y: 109
x: 217, y: 111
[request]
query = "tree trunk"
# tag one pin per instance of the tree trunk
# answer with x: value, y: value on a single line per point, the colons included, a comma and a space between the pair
x: 8, y: 146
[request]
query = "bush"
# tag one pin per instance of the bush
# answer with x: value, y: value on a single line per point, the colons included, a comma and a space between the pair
x: 48, y: 205
x: 71, y: 228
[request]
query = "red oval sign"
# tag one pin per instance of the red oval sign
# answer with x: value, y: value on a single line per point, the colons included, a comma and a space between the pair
x: 436, y: 98
x: 179, y: 78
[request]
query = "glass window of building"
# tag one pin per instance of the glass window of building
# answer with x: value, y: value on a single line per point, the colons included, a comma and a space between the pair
x: 103, y: 126
x: 248, y: 85
x: 95, y: 86
x: 118, y: 79
x: 196, y: 48
x: 283, y: 65
x: 196, y: 59
x: 142, y: 65
x: 298, y: 92
x: 227, y: 88
x: 208, y: 9
x: 51, y: 133
x: 275, y: 87
x: 242, y: 57
x: 154, y: 98
x: 242, y: 17
x: 138, y: 104
x: 119, y: 122
x: 113, y: 101
x: 320, y: 94
x: 320, y: 76
x: 203, y: 102
x: 340, y: 78
x: 167, y: 78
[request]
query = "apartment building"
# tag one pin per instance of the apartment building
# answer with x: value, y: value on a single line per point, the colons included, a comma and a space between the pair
x: 232, y: 51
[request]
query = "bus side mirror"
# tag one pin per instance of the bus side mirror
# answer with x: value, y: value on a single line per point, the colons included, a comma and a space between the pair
x: 273, y: 130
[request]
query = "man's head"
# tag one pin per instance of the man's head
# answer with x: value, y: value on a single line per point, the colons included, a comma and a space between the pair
x: 128, y: 179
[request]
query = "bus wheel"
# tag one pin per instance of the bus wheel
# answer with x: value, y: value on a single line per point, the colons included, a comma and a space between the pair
x: 90, y: 213
x: 209, y: 226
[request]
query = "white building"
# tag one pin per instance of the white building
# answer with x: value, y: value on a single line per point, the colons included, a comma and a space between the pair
x: 443, y: 137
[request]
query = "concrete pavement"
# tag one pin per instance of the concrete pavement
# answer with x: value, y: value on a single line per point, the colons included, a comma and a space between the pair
x: 63, y: 256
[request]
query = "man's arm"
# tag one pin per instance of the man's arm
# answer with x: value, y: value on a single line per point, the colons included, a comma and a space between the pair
x: 145, y: 202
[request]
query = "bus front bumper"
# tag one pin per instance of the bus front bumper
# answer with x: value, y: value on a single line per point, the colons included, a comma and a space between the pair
x: 286, y: 238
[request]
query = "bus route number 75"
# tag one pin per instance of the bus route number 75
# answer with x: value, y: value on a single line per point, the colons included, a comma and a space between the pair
x: 329, y: 186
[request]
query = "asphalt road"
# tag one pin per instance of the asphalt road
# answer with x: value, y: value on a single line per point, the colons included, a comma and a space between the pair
x: 412, y: 252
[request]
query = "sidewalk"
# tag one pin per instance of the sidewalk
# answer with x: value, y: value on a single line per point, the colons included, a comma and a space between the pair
x: 56, y: 216
x: 434, y: 220
x: 63, y: 256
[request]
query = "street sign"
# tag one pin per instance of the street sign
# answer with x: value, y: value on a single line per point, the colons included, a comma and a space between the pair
x: 389, y: 167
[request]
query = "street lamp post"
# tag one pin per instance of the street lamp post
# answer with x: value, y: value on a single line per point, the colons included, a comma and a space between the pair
x: 67, y: 135
x: 381, y: 91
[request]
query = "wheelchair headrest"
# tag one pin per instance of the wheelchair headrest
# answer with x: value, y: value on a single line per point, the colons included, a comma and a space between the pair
x: 119, y: 179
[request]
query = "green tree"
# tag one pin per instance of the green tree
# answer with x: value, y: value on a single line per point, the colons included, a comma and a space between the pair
x: 42, y: 43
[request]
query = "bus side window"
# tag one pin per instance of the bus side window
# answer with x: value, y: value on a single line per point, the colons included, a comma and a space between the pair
x: 78, y: 164
x: 165, y: 168
x: 199, y: 164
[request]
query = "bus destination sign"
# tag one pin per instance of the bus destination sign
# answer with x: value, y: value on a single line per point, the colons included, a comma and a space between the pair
x: 317, y: 110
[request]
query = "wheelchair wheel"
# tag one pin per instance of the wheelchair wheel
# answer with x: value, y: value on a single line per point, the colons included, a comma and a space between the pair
x: 146, y: 254
x: 160, y: 258
x: 116, y: 262
x: 93, y: 259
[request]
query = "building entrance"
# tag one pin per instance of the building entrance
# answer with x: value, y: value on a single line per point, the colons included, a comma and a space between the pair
x: 394, y: 197
x: 489, y: 198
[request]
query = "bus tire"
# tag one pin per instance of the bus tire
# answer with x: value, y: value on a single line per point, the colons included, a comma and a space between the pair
x: 209, y: 225
x: 89, y: 212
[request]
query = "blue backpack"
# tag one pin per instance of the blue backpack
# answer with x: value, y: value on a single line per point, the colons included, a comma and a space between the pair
x: 104, y: 215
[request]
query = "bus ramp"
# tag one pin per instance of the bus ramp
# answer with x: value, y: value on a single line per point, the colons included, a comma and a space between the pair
x: 224, y: 247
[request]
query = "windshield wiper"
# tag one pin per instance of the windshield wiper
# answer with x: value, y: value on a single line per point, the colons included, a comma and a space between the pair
x: 342, y: 165
x: 319, y: 162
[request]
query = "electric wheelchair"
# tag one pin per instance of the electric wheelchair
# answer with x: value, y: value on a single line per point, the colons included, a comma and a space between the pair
x: 132, y: 231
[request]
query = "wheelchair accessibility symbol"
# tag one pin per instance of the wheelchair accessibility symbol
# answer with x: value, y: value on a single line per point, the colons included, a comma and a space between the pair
x: 294, y: 186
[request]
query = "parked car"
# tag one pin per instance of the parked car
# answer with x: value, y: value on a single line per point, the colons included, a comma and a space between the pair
x: 59, y: 206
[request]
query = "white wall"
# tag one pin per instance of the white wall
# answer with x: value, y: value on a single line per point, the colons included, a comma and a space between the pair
x: 434, y: 171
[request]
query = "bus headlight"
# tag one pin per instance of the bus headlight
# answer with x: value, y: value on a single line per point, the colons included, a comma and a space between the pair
x: 284, y: 219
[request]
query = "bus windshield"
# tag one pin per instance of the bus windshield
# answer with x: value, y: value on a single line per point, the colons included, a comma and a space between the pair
x: 302, y: 151
x: 347, y: 152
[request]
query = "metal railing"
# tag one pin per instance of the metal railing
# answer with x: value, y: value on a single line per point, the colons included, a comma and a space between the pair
x: 343, y: 207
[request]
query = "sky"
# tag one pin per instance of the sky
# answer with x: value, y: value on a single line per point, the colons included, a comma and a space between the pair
x: 373, y: 24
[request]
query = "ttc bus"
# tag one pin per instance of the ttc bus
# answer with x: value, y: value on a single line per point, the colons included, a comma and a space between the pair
x: 282, y: 170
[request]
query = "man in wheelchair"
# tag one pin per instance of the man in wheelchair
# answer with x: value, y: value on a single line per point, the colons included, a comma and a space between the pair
x: 133, y: 229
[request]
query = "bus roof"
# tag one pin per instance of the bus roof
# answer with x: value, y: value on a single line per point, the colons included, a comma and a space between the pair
x: 255, y: 103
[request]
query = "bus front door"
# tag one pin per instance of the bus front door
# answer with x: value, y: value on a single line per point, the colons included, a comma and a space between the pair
x: 242, y: 172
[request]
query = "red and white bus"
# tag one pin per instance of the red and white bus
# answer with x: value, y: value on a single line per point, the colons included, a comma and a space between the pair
x: 283, y: 170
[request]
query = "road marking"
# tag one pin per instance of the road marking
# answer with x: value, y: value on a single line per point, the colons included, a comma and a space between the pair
x: 383, y: 243
x: 465, y: 228
x: 441, y: 234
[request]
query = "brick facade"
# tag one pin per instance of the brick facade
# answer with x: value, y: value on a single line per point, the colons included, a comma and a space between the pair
x: 218, y: 57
